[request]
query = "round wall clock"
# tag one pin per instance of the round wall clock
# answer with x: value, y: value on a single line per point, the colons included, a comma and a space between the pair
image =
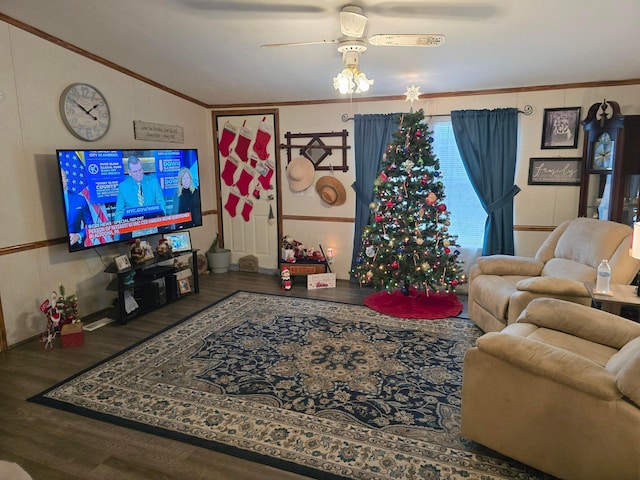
x: 85, y: 112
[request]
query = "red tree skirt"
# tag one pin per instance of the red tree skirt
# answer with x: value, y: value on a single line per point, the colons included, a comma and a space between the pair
x: 415, y: 305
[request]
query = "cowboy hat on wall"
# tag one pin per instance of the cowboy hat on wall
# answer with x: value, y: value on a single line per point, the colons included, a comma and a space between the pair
x: 331, y: 191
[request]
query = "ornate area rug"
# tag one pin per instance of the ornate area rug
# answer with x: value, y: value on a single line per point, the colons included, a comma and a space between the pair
x: 325, y: 389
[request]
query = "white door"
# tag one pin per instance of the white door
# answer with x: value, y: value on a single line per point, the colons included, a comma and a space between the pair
x: 248, y: 191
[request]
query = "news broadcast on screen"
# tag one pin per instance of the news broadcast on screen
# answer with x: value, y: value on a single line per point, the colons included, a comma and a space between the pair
x: 116, y: 195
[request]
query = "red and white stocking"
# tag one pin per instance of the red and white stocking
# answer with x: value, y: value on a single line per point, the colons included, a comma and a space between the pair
x: 232, y: 203
x: 244, y: 181
x: 229, y: 171
x: 229, y: 133
x: 265, y: 132
x: 242, y: 147
x: 266, y: 173
x: 246, y: 209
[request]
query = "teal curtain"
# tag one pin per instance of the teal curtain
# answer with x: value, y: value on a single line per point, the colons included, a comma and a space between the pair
x: 373, y: 133
x: 487, y: 140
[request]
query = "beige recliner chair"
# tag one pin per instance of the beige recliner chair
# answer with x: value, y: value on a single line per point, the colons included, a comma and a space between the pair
x: 558, y: 390
x: 501, y: 286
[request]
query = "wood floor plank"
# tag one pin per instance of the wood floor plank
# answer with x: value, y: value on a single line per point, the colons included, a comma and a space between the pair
x: 51, y: 444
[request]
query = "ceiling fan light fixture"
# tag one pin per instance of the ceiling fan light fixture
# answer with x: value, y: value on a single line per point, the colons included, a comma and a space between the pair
x: 343, y: 82
x: 362, y: 82
x: 351, y: 80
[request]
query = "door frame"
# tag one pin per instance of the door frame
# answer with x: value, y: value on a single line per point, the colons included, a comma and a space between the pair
x: 249, y: 114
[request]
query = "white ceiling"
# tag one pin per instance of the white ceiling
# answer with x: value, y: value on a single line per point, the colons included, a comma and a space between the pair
x: 211, y: 51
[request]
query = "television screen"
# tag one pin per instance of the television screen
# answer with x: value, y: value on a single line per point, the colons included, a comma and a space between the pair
x: 117, y: 195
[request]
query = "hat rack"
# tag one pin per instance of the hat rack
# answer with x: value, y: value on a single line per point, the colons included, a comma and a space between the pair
x: 316, y: 149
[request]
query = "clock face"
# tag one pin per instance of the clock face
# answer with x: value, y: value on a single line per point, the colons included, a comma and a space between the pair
x: 603, y: 153
x: 85, y: 112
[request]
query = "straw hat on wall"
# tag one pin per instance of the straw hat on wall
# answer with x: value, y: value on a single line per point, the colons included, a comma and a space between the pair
x: 331, y: 190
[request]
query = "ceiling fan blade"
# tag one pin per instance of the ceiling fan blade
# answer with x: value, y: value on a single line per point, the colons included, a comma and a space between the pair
x: 407, y: 40
x: 296, y: 44
x: 352, y: 21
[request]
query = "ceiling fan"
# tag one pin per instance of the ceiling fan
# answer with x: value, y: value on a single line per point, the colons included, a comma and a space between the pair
x: 353, y: 42
x: 352, y: 24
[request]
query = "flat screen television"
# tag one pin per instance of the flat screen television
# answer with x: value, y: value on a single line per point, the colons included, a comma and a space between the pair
x: 118, y: 195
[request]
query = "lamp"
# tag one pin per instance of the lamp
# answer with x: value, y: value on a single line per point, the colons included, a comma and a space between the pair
x: 330, y: 254
x: 351, y: 79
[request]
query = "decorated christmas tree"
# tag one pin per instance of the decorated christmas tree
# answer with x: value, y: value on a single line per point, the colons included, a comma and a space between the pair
x: 407, y: 242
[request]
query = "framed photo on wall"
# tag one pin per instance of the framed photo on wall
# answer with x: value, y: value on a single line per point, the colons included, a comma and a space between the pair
x: 560, y: 127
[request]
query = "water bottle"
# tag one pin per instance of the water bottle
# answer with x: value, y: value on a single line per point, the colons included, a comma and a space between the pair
x: 604, y: 276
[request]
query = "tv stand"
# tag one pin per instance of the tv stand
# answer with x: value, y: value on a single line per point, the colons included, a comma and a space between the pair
x: 152, y: 284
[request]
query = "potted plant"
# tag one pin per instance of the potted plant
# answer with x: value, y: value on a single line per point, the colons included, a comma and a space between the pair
x: 218, y: 258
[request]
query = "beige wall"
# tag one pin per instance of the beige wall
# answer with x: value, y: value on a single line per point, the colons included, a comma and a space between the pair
x: 534, y: 205
x: 33, y: 73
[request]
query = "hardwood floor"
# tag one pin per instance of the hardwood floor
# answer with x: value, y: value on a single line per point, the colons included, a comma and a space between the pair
x: 51, y: 444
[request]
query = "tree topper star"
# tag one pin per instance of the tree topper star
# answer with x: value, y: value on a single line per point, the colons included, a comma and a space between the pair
x: 412, y: 94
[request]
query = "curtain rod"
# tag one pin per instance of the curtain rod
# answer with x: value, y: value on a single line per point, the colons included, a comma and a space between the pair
x: 527, y: 110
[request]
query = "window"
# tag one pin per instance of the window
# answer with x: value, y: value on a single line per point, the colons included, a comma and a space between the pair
x: 467, y: 215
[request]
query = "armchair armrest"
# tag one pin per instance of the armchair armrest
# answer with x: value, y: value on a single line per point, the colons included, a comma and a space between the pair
x: 550, y: 362
x: 553, y: 286
x: 580, y: 321
x: 510, y: 265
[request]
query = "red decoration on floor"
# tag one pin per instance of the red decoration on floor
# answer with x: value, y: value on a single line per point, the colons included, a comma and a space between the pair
x: 415, y: 305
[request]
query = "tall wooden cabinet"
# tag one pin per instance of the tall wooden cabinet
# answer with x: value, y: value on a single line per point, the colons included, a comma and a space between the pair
x: 610, y: 181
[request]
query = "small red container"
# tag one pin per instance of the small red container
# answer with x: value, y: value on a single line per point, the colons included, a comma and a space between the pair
x: 72, y: 334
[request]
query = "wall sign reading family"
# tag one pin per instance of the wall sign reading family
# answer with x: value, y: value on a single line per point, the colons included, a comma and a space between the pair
x: 554, y: 171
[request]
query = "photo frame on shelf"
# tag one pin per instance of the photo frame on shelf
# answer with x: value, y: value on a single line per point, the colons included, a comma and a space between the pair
x: 179, y: 241
x: 555, y: 171
x: 122, y: 263
x: 560, y: 128
x: 184, y: 286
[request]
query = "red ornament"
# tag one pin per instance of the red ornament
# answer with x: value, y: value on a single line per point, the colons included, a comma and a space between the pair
x: 394, y: 264
x: 442, y: 207
x: 447, y: 251
x: 379, y: 218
